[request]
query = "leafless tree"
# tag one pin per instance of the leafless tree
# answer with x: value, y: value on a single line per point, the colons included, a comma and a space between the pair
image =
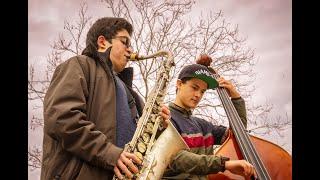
x: 34, y: 158
x: 166, y: 25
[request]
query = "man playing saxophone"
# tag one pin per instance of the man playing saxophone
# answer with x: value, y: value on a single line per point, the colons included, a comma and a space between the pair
x: 88, y: 114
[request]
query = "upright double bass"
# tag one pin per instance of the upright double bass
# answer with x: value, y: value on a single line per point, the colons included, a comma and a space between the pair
x: 271, y: 162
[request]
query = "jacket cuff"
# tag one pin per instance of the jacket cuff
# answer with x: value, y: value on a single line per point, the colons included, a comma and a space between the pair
x: 223, y: 163
x: 107, y: 159
x: 238, y: 98
x: 113, y: 155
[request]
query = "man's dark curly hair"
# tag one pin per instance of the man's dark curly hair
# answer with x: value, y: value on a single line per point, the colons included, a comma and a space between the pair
x: 108, y: 27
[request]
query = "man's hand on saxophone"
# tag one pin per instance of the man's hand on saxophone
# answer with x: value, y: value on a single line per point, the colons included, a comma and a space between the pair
x: 127, y: 161
x: 125, y: 164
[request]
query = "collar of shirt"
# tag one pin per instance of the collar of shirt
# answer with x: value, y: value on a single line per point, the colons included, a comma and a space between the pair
x: 185, y: 112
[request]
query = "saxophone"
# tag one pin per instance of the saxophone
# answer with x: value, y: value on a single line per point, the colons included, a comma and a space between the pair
x: 153, y: 144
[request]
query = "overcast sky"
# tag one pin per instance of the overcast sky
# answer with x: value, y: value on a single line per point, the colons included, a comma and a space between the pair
x: 267, y: 24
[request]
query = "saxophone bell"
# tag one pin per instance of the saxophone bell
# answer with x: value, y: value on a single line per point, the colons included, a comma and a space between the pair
x: 155, y: 146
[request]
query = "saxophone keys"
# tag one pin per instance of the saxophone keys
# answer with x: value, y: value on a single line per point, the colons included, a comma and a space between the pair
x: 149, y: 127
x: 155, y: 110
x: 138, y: 154
x: 153, y: 118
x: 142, y: 147
x: 146, y: 137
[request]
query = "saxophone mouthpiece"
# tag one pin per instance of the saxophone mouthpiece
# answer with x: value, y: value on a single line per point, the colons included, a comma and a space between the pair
x: 133, y: 57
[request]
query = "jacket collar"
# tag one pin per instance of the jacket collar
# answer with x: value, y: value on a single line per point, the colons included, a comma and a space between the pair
x: 105, y: 57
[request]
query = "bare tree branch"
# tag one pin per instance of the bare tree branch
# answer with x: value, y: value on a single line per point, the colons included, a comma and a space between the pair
x: 34, y: 158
